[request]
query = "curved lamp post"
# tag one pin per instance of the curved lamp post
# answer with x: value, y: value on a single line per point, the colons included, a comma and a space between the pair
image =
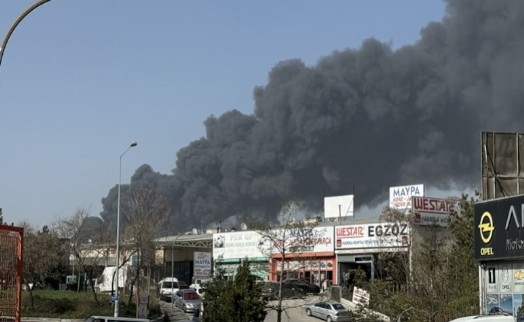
x: 117, y: 298
x: 17, y: 21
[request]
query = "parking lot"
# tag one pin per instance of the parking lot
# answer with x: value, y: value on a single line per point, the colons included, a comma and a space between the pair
x: 294, y: 310
x: 174, y: 313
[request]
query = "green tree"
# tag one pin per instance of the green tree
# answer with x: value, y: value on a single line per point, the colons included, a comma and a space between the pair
x: 440, y: 274
x: 213, y: 298
x: 463, y: 268
x: 45, y: 258
x: 237, y: 299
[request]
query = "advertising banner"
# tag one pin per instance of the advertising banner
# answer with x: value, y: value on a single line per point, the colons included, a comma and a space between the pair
x: 304, y: 240
x: 237, y: 245
x: 201, y: 265
x: 380, y: 235
x: 504, y: 287
x: 400, y: 197
x: 499, y: 232
x: 431, y: 211
x: 360, y: 296
x: 338, y: 206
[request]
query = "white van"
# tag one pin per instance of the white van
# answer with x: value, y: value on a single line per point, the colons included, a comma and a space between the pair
x: 169, y: 286
x: 100, y: 318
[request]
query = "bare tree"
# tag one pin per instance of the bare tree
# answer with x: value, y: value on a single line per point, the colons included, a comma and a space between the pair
x: 88, y: 241
x: 145, y: 214
x: 290, y: 239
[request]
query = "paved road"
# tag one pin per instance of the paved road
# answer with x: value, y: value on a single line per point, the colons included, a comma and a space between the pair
x: 295, y: 310
x: 174, y: 313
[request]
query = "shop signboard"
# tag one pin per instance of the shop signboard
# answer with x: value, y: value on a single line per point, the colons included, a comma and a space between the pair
x: 431, y: 211
x: 360, y: 296
x: 379, y: 235
x: 499, y: 229
x: 201, y: 265
x: 504, y: 286
x: 308, y: 239
x: 238, y: 245
x: 306, y: 264
x: 400, y: 197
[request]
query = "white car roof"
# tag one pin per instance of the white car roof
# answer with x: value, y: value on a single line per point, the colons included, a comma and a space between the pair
x: 485, y: 318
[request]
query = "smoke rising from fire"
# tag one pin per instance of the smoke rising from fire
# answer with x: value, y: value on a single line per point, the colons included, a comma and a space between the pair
x: 357, y: 122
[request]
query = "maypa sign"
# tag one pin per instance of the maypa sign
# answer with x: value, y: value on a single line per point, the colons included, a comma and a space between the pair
x: 201, y: 265
x: 400, y: 197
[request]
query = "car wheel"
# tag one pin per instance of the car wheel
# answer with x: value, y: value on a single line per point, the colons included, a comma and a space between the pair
x: 329, y: 319
x: 308, y: 312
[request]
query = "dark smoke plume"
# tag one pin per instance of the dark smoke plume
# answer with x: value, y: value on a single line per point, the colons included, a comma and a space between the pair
x: 359, y: 121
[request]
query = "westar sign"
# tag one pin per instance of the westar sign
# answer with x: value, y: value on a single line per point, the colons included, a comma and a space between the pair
x: 499, y: 228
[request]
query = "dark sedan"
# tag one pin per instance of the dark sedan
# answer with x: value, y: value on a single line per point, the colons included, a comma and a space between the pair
x: 302, y: 286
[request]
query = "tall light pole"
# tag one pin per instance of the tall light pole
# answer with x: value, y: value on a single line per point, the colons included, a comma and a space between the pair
x: 15, y: 24
x: 117, y: 299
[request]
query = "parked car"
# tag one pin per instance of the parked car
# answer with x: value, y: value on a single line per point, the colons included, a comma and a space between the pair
x: 270, y: 291
x: 188, y: 300
x: 329, y: 311
x: 169, y: 285
x: 302, y: 285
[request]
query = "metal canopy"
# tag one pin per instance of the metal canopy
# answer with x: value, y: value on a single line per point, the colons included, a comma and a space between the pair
x: 190, y: 241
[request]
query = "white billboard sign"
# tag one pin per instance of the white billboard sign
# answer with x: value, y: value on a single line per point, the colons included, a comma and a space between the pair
x: 380, y: 235
x: 338, y: 206
x: 237, y: 245
x: 400, y: 197
x: 201, y: 265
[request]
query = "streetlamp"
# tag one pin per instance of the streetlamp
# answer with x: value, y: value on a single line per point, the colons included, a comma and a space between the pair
x: 117, y: 299
x: 15, y: 24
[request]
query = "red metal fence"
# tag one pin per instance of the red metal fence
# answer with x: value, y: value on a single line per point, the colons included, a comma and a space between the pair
x: 11, y: 242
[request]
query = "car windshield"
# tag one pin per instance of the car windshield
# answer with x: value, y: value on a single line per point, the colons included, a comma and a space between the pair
x: 169, y: 285
x: 191, y: 296
x: 338, y: 306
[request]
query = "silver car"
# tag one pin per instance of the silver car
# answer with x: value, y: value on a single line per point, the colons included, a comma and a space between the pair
x: 329, y: 311
x: 188, y: 300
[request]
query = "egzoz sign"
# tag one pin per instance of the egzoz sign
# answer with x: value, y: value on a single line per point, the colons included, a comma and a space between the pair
x: 499, y: 229
x: 381, y: 235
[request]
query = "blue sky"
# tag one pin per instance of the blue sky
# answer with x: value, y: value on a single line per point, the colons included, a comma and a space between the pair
x: 81, y: 79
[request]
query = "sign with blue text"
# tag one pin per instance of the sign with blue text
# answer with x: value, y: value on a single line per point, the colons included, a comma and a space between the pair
x: 400, y: 197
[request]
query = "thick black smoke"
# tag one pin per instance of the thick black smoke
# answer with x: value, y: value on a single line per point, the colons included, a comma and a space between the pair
x: 360, y: 121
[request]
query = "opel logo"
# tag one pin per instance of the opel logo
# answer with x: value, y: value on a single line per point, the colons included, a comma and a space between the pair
x: 486, y: 227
